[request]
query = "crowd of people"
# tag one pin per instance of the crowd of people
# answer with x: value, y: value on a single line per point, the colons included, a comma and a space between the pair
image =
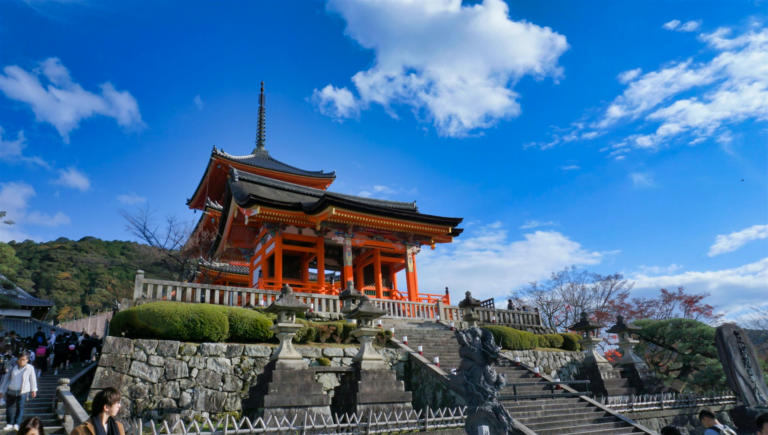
x: 25, y: 360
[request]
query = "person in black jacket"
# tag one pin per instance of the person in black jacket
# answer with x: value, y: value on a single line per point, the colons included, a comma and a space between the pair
x: 39, y: 338
x: 60, y: 353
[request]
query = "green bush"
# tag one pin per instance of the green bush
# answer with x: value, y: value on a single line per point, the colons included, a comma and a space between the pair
x: 248, y: 326
x: 555, y: 341
x: 543, y: 342
x: 172, y: 321
x: 570, y: 341
x: 306, y: 334
x: 325, y: 362
x: 512, y: 339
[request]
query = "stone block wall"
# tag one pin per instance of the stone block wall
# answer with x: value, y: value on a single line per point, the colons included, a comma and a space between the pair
x: 171, y: 379
x: 563, y: 364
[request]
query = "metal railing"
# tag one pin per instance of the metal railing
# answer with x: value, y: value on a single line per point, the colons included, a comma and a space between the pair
x: 657, y: 402
x: 555, y: 388
x: 313, y: 424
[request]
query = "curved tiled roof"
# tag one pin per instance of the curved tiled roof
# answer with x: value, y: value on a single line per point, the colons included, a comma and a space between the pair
x: 213, y: 204
x: 22, y: 298
x: 224, y: 267
x: 262, y: 159
x: 314, y: 194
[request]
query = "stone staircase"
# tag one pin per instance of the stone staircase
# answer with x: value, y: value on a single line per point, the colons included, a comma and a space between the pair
x: 544, y: 416
x: 41, y: 405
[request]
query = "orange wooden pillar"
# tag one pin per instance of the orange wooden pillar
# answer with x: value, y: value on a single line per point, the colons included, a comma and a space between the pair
x: 410, y: 276
x: 321, y: 263
x: 279, y: 261
x: 377, y: 272
x: 348, y: 272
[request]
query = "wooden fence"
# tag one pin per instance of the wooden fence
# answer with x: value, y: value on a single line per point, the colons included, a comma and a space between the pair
x: 157, y: 290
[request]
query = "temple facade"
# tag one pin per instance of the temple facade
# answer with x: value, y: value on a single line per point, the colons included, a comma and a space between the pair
x: 265, y: 223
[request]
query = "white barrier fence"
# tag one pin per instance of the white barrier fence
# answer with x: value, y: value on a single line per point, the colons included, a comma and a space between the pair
x: 656, y: 402
x: 315, y: 424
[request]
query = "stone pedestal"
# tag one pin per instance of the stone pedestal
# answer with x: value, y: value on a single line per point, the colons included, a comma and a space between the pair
x: 367, y: 358
x: 286, y: 393
x: 371, y: 390
x: 286, y: 356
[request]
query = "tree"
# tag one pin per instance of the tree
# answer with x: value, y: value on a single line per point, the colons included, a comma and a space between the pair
x: 9, y: 263
x: 667, y: 305
x: 6, y: 221
x: 681, y: 350
x: 166, y: 242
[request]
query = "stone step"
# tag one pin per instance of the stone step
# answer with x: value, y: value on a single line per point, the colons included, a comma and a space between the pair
x: 618, y: 427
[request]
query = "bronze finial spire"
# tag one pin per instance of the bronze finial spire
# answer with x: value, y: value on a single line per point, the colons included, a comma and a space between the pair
x: 261, y: 129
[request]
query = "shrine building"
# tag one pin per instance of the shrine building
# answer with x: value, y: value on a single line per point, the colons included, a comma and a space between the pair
x: 265, y: 223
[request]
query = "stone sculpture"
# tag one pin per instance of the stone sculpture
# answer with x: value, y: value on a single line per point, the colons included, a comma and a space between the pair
x: 480, y: 384
x: 742, y: 369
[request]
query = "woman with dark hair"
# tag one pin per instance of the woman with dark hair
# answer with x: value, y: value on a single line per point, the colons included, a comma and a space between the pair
x: 31, y: 426
x: 104, y: 408
x: 72, y: 345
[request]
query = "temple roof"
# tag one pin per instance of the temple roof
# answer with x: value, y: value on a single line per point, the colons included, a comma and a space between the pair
x: 224, y: 267
x: 262, y: 159
x: 22, y: 298
x: 243, y: 183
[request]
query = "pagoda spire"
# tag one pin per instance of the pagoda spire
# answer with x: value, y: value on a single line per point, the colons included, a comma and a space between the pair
x: 261, y: 129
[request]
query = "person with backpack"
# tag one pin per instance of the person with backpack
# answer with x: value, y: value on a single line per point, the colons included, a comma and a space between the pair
x: 714, y: 427
x: 41, y: 356
x: 60, y: 354
x: 39, y: 337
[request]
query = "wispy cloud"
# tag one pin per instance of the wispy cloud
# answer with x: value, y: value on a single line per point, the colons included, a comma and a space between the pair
x: 657, y: 270
x: 131, y: 199
x: 642, y: 180
x: 12, y: 151
x: 198, y: 102
x: 570, y: 168
x: 382, y: 191
x: 688, y: 26
x: 535, y: 224
x: 737, y: 239
x: 15, y: 198
x: 455, y: 65
x: 72, y: 177
x: 64, y: 103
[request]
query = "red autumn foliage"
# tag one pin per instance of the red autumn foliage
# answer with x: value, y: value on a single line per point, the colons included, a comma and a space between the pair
x: 613, y: 355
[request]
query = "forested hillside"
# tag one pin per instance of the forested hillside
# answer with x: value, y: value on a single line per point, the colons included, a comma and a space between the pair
x: 79, y: 276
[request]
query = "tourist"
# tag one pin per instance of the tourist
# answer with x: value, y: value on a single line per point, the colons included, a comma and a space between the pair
x: 510, y: 305
x: 31, y: 426
x: 39, y: 338
x: 762, y: 424
x: 60, y: 353
x: 104, y: 408
x: 17, y: 385
x: 714, y: 427
x: 672, y: 430
x: 41, y: 358
x: 18, y: 345
x: 72, y: 345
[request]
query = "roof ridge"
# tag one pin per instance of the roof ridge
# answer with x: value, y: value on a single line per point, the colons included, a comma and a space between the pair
x: 263, y: 155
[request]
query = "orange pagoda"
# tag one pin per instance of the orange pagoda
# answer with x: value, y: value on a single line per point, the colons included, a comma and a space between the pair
x: 265, y: 223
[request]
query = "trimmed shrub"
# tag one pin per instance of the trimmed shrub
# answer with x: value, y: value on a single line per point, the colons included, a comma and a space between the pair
x: 555, y: 341
x: 512, y: 339
x: 306, y: 334
x: 172, y: 321
x: 570, y: 341
x: 248, y: 326
x: 325, y: 362
x: 543, y: 342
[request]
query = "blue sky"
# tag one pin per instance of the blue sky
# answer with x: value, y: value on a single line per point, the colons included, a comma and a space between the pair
x: 610, y: 135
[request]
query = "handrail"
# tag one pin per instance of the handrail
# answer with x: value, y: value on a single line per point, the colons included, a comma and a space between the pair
x: 67, y: 408
x: 83, y: 372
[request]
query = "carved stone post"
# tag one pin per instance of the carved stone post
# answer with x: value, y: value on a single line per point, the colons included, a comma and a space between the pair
x: 286, y: 307
x: 470, y: 305
x: 365, y: 313
x: 138, y: 286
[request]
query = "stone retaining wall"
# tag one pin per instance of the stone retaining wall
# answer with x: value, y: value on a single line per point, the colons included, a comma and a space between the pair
x: 170, y: 379
x: 564, y: 364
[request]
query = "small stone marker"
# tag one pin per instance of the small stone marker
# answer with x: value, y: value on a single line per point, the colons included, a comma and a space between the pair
x: 483, y: 430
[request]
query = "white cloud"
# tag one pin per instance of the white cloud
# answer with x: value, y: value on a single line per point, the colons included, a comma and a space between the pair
x: 365, y: 194
x: 14, y: 199
x: 628, y: 76
x: 63, y: 103
x: 570, y: 167
x: 131, y: 199
x: 737, y: 239
x: 672, y: 25
x: 642, y: 179
x: 690, y: 101
x: 336, y: 102
x: 688, y: 26
x: 534, y: 224
x: 732, y: 290
x: 72, y: 177
x: 12, y: 150
x: 198, y: 102
x: 381, y: 191
x: 657, y: 270
x: 502, y: 263
x: 455, y: 65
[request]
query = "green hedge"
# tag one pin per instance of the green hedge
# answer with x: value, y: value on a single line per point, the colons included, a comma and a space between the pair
x: 191, y: 322
x: 570, y: 341
x: 512, y: 339
x: 555, y: 341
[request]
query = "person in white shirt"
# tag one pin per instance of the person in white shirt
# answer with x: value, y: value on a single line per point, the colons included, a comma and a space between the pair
x: 17, y: 384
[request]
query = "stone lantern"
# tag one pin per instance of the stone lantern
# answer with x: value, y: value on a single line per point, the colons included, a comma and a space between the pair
x: 469, y: 307
x: 590, y: 331
x: 349, y: 298
x: 365, y: 313
x: 626, y: 342
x: 286, y: 307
